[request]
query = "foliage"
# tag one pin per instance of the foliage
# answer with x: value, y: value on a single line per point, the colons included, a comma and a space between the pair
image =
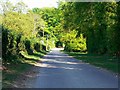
x: 98, y: 22
x: 81, y: 26
x: 21, y: 32
x: 74, y: 44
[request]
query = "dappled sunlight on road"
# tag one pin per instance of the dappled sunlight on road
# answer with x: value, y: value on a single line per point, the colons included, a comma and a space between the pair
x: 59, y: 61
x: 57, y: 56
x: 53, y: 66
x: 59, y: 70
x: 45, y: 65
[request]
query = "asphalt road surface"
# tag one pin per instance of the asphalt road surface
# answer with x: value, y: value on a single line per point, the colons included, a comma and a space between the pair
x: 59, y: 70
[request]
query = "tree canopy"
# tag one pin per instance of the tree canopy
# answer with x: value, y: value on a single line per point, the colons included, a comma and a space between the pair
x: 80, y: 26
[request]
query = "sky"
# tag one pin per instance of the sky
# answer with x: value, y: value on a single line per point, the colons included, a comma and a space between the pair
x: 37, y: 3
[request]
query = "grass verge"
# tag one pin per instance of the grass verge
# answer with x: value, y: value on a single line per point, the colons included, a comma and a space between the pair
x: 103, y: 61
x: 14, y: 70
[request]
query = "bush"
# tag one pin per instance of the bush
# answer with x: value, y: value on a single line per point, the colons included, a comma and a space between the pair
x: 28, y: 47
x: 76, y: 44
x: 37, y: 47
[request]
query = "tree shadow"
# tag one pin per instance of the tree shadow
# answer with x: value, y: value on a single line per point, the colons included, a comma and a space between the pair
x: 16, y: 73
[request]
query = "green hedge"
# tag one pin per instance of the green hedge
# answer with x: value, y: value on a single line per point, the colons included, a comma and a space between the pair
x: 13, y: 43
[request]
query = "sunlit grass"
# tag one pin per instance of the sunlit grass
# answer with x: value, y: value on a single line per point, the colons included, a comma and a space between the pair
x: 25, y: 55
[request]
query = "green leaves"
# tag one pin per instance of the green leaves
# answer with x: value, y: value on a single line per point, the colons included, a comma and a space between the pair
x: 19, y: 23
x: 96, y: 21
x: 81, y: 26
x: 73, y: 43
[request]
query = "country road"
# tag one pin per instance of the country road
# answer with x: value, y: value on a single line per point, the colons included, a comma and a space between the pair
x: 59, y: 70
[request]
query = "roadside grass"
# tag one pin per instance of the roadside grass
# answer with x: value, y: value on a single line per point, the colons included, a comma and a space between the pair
x: 14, y: 70
x: 103, y: 61
x: 35, y: 56
x: 12, y: 73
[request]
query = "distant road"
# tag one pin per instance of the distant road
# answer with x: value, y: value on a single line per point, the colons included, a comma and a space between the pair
x: 59, y: 70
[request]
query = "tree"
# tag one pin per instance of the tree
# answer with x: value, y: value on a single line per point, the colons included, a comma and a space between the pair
x: 6, y: 6
x: 20, y: 7
x: 96, y: 21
